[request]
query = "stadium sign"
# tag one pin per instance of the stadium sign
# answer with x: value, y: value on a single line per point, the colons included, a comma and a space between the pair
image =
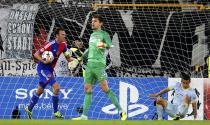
x: 131, y: 92
x: 130, y: 109
x: 17, y: 67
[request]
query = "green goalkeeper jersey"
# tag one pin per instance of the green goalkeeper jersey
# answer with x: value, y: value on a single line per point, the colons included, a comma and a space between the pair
x: 98, y: 54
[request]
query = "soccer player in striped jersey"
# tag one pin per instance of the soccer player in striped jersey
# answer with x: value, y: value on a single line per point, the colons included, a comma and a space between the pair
x: 184, y: 95
x: 95, y: 70
x: 45, y: 70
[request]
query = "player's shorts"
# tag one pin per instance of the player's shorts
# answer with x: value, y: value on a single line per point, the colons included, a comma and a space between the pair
x: 46, y: 77
x: 95, y: 71
x: 173, y: 110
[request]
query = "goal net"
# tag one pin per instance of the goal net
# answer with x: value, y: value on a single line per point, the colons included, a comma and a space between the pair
x: 150, y: 39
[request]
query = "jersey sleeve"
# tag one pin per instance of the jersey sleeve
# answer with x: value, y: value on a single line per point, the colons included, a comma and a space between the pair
x: 45, y: 48
x: 107, y: 40
x: 85, y: 55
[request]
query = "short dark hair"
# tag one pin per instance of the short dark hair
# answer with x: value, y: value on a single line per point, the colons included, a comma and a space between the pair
x: 185, y: 76
x: 57, y: 30
x: 101, y: 20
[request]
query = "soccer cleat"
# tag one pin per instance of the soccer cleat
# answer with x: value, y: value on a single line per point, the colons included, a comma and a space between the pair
x: 123, y: 116
x: 176, y: 117
x: 58, y: 115
x: 28, y: 112
x: 82, y: 117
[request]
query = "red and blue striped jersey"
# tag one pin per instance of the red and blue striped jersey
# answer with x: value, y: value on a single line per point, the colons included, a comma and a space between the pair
x: 56, y: 49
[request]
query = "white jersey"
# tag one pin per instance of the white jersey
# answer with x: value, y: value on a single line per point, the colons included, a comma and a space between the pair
x: 61, y: 67
x: 180, y: 92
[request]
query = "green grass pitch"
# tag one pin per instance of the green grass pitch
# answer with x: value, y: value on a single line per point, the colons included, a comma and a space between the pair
x: 99, y: 122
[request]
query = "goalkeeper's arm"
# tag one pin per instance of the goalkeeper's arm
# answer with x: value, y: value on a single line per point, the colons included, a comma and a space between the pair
x: 68, y: 57
x: 85, y: 55
x: 74, y: 63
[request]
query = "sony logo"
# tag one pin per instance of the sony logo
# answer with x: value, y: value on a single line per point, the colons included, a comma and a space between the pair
x: 23, y: 93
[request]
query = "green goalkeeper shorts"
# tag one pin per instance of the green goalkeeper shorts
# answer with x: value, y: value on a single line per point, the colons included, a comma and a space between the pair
x: 95, y: 71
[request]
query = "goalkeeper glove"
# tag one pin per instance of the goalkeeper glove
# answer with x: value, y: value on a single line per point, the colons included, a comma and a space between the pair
x: 73, y: 64
x: 101, y: 45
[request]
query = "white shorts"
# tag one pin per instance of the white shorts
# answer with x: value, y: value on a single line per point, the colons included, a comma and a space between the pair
x: 173, y: 109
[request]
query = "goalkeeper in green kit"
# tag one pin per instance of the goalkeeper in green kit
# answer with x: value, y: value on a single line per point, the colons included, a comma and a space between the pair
x: 95, y: 70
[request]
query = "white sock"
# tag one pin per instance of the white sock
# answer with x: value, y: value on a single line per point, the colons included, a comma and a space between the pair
x: 159, y: 111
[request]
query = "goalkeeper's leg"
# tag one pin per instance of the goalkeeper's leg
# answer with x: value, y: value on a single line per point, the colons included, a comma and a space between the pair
x: 113, y: 98
x: 87, y: 103
x: 89, y: 80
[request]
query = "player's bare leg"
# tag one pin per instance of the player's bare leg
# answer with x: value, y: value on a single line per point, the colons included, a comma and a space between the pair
x: 113, y: 98
x: 160, y: 104
x: 55, y: 99
x: 39, y: 91
x: 33, y: 101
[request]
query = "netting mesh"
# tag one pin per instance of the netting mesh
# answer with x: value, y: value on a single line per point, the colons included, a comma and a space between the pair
x: 166, y: 38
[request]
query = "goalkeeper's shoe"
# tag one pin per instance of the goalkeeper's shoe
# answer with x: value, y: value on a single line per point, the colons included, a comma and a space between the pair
x: 176, y: 117
x: 58, y: 115
x: 28, y: 112
x: 82, y: 117
x: 123, y: 116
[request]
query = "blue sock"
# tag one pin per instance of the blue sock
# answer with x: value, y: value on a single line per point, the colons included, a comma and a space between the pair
x: 33, y: 101
x: 55, y: 99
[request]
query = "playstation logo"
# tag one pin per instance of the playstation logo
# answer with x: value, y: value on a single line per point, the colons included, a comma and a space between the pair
x: 131, y: 108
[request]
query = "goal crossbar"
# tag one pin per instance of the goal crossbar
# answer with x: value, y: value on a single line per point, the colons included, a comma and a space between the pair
x: 198, y: 6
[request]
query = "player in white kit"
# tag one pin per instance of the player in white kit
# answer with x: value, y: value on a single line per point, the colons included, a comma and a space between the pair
x: 184, y: 95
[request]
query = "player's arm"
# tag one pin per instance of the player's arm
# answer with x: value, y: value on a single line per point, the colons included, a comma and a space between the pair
x: 194, y: 100
x: 106, y: 43
x: 194, y: 107
x: 67, y: 54
x: 68, y: 57
x: 161, y: 92
x: 73, y: 62
x: 38, y: 54
x: 85, y: 55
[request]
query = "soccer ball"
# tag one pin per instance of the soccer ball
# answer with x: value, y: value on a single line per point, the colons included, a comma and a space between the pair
x: 47, y: 55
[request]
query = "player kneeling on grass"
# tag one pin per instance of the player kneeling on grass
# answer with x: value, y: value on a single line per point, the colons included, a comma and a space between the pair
x: 45, y: 69
x: 184, y: 96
